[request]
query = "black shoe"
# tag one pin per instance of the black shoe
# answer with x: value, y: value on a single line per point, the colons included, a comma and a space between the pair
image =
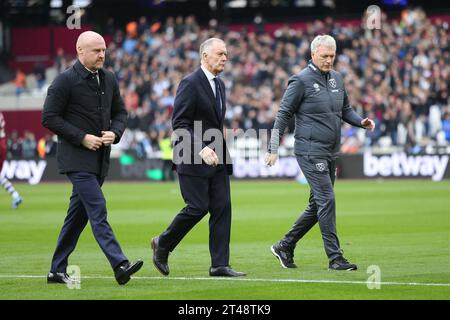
x: 224, y: 272
x: 340, y: 263
x: 126, y: 269
x: 286, y: 256
x: 160, y: 257
x: 60, y: 277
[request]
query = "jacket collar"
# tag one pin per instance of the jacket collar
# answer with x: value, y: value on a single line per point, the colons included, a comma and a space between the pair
x: 85, y: 73
x: 208, y: 73
x: 314, y: 68
x: 207, y: 87
x: 205, y: 83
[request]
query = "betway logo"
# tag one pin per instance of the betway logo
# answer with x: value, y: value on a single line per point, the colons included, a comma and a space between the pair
x: 400, y: 164
x: 256, y: 168
x: 24, y: 170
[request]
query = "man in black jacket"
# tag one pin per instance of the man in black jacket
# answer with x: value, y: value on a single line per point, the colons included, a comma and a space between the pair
x: 84, y: 108
x: 317, y: 98
x: 202, y: 162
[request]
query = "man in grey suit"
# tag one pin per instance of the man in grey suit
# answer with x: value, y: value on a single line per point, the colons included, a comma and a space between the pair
x: 318, y: 99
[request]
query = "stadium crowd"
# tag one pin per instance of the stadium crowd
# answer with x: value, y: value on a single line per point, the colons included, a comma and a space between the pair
x: 398, y: 75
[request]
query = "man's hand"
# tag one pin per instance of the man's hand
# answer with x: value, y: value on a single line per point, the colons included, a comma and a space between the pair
x: 209, y: 156
x: 368, y: 124
x: 92, y: 142
x: 270, y: 159
x: 108, y: 137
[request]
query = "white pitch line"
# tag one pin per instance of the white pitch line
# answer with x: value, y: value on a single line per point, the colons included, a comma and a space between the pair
x: 249, y: 280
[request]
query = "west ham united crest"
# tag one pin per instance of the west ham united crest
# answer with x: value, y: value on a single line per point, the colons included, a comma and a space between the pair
x: 332, y: 83
x: 321, y: 166
x: 316, y: 87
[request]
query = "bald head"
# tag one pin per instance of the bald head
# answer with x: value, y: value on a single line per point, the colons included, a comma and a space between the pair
x: 91, y: 49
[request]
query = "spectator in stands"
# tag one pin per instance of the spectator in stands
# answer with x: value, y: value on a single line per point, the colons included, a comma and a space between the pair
x: 143, y: 26
x: 14, y: 145
x: 41, y: 148
x: 408, y: 119
x: 180, y: 27
x: 29, y: 146
x: 446, y: 125
x: 60, y: 60
x: 349, y: 140
x: 391, y: 119
x: 39, y: 73
x: 165, y: 145
x: 20, y: 82
x: 146, y: 116
x: 46, y: 146
x: 132, y: 30
x: 16, y: 198
x: 148, y: 146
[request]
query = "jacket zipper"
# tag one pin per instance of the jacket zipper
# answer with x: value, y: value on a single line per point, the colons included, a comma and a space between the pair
x: 332, y: 110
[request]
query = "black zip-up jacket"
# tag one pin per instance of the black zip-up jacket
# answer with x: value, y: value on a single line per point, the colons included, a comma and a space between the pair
x: 320, y: 103
x: 75, y: 106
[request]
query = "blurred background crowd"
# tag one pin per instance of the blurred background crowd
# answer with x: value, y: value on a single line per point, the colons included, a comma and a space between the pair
x: 398, y: 75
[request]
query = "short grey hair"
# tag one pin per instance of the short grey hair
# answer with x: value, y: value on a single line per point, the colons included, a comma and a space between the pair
x: 323, y: 40
x: 207, y: 44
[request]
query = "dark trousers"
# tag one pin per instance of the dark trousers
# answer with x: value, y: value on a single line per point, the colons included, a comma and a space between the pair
x: 87, y: 203
x: 203, y: 195
x: 320, y: 174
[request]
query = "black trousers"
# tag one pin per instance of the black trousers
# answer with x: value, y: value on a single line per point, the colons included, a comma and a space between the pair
x: 87, y: 203
x: 320, y: 174
x: 203, y: 195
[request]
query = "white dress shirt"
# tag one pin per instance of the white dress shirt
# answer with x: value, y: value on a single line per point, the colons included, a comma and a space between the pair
x: 96, y: 74
x: 210, y: 77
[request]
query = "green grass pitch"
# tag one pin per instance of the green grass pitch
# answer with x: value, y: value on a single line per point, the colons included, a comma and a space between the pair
x: 402, y: 227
